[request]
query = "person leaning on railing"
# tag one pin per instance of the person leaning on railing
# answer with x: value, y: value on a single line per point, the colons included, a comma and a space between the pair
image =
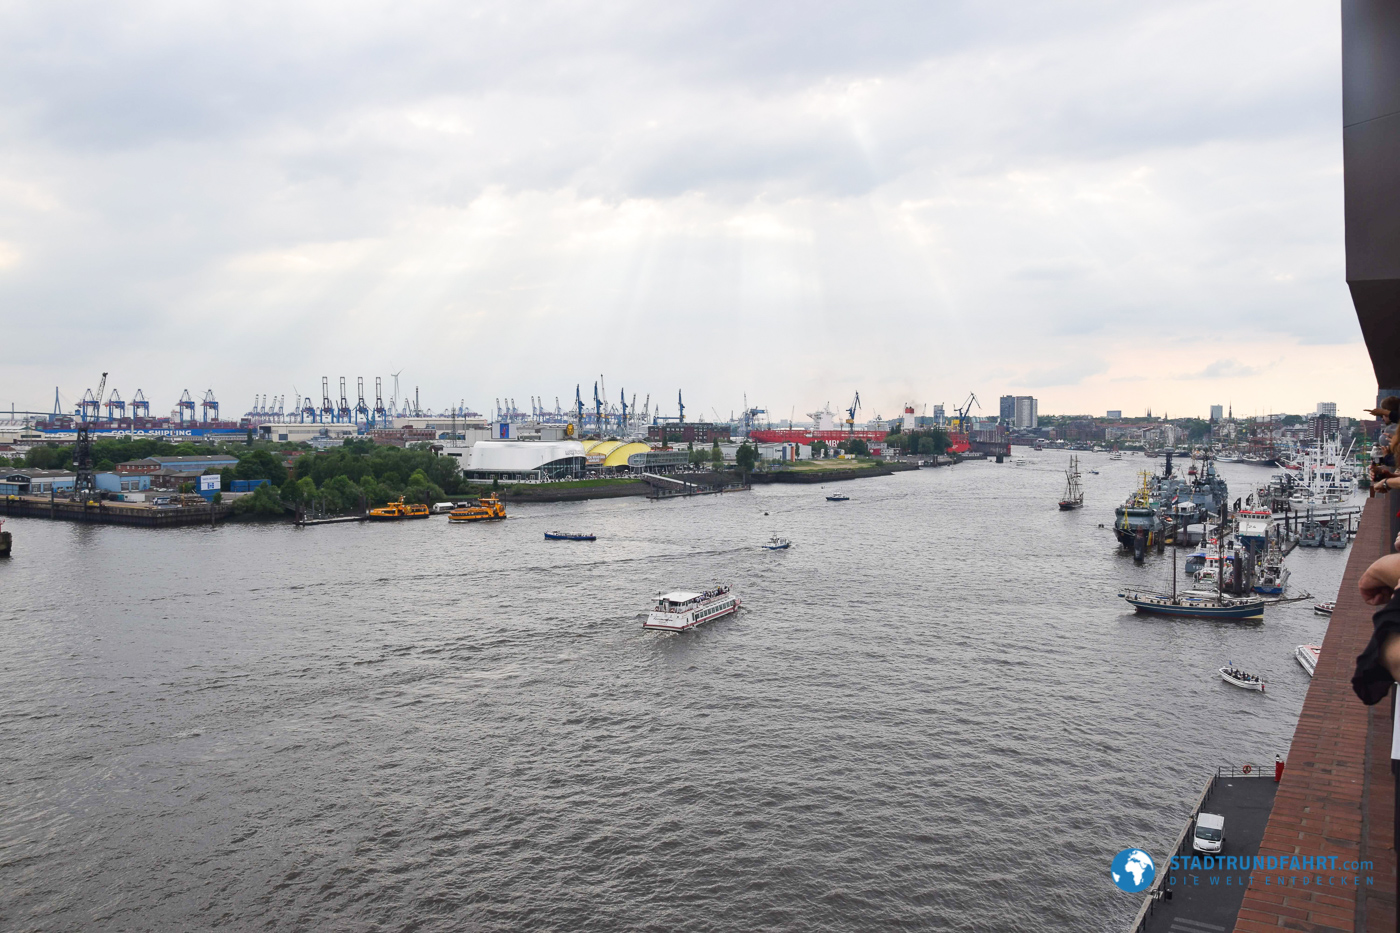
x: 1388, y: 441
x: 1379, y: 665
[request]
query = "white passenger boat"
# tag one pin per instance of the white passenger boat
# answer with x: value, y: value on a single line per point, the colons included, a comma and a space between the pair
x: 1325, y: 609
x: 1307, y: 656
x: 1238, y: 678
x: 676, y: 612
x: 776, y: 543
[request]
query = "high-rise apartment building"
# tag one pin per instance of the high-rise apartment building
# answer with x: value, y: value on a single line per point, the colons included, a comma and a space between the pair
x: 1217, y: 412
x: 1327, y: 408
x: 1026, y: 414
x: 1008, y: 409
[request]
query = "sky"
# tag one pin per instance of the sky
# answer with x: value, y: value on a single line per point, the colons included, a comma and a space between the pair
x: 1106, y: 205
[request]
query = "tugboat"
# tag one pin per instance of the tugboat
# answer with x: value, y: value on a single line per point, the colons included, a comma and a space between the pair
x: 679, y: 611
x: 487, y: 509
x: 776, y: 543
x: 1238, y: 678
x: 1074, y: 493
x: 569, y: 536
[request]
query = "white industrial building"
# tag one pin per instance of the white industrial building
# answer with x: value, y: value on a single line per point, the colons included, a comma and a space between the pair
x: 521, y: 460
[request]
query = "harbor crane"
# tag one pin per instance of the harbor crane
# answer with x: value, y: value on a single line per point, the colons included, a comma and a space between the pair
x: 851, y: 416
x: 327, y: 409
x: 85, y: 480
x: 115, y: 406
x: 750, y: 415
x: 380, y: 415
x: 680, y: 404
x: 343, y: 413
x: 965, y: 409
x: 140, y: 408
x: 623, y: 428
x: 597, y: 411
x: 209, y: 404
x: 361, y: 409
x: 186, y: 407
x: 578, y: 407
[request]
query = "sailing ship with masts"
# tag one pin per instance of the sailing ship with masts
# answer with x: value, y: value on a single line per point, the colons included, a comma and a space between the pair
x: 1074, y: 492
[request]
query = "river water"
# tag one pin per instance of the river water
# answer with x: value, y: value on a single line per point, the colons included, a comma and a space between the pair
x: 932, y: 713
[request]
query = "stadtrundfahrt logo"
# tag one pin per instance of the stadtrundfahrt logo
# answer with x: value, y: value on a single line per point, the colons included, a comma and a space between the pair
x: 1132, y: 870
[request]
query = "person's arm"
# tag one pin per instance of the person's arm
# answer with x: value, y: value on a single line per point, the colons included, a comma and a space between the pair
x: 1379, y: 665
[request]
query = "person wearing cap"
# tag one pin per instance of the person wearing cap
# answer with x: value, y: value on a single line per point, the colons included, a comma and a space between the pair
x: 1384, y: 468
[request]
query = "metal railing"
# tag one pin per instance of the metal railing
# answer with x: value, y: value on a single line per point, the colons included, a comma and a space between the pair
x: 1159, y: 890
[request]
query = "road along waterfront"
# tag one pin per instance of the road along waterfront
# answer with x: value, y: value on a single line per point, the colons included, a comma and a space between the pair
x: 932, y: 711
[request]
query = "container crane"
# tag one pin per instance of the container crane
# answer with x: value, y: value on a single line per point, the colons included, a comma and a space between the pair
x: 186, y: 407
x: 597, y: 411
x: 361, y: 409
x: 115, y: 406
x: 140, y: 408
x: 209, y: 404
x: 380, y: 415
x: 623, y: 428
x: 327, y: 412
x: 851, y: 416
x: 343, y: 414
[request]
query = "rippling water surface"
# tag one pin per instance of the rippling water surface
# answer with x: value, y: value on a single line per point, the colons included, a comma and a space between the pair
x: 932, y: 713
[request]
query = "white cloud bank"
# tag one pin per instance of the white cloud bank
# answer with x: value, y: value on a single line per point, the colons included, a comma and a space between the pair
x: 1108, y: 205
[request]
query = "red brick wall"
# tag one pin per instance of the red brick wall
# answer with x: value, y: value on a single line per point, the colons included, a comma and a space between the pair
x: 1337, y: 794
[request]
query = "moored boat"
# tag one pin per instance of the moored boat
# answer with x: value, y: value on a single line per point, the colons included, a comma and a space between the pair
x: 1307, y: 656
x: 569, y: 536
x: 681, y: 610
x: 1238, y: 678
x: 416, y: 510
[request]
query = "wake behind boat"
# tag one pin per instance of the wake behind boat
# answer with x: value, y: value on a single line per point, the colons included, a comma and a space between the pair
x: 679, y: 611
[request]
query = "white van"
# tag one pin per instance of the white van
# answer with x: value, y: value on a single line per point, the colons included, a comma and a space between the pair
x: 1210, y: 833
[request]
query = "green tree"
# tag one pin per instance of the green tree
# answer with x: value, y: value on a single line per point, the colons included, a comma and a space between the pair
x: 745, y: 458
x: 263, y: 501
x: 859, y: 447
x: 716, y: 456
x: 820, y: 448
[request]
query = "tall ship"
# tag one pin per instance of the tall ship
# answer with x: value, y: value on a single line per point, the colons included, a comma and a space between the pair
x: 1074, y: 492
x: 681, y: 610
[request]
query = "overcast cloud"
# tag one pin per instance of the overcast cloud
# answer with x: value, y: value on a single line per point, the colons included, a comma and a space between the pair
x: 788, y: 200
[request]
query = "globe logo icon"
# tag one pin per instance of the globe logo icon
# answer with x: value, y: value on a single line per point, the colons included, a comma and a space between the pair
x: 1133, y: 870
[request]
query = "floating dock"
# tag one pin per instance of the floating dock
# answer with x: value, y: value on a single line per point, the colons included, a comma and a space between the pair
x: 102, y: 512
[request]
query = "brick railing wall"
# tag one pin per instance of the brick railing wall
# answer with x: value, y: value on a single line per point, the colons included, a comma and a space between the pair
x: 1337, y: 796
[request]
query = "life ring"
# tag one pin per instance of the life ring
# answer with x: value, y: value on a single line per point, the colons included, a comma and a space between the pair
x: 1247, y: 768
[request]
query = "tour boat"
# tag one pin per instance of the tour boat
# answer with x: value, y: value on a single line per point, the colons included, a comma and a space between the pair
x: 837, y: 497
x: 569, y: 536
x: 776, y: 543
x: 679, y: 611
x: 487, y: 509
x: 1325, y: 609
x: 1307, y: 656
x: 1238, y: 678
x: 416, y: 510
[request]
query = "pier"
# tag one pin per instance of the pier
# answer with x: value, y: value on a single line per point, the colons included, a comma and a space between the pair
x: 1204, y: 902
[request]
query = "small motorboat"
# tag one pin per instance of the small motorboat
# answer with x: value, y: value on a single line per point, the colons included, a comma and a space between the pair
x: 776, y: 543
x: 1094, y: 472
x: 569, y: 536
x: 1307, y: 656
x: 1325, y: 609
x: 837, y: 497
x: 1238, y: 678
